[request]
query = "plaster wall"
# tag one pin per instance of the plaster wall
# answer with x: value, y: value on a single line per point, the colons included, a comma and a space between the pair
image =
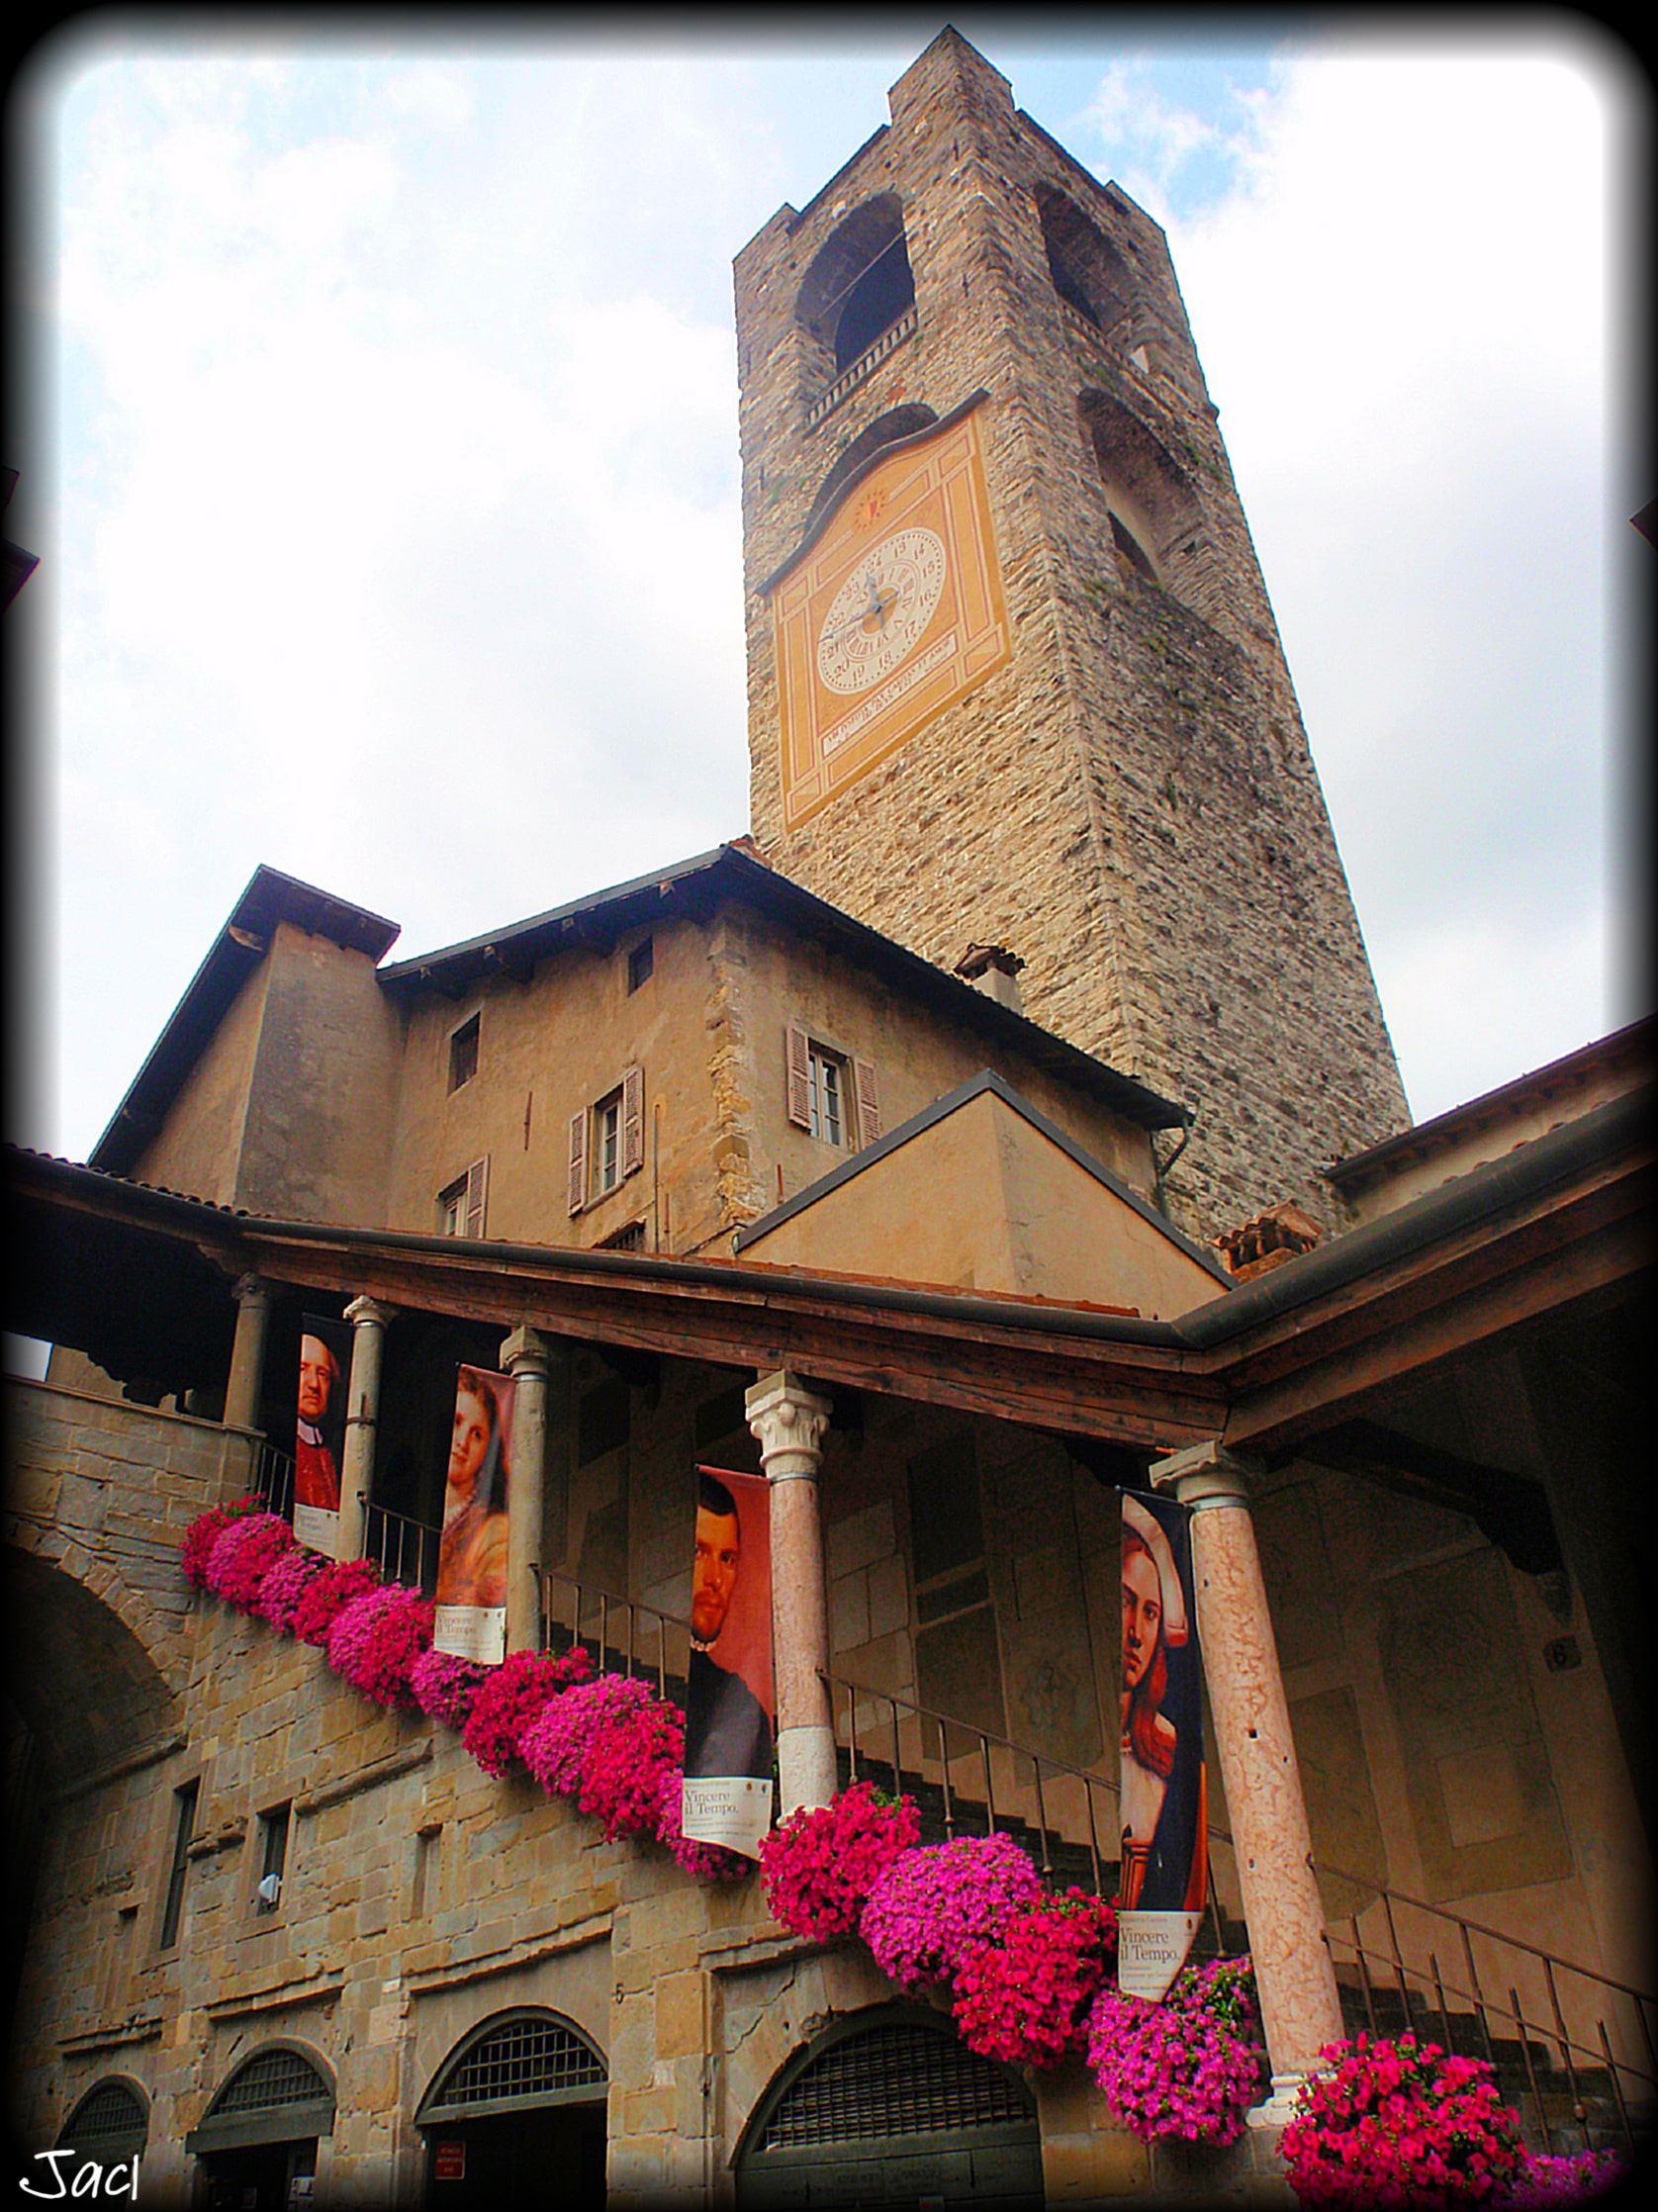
x: 199, y: 1147
x: 983, y: 1200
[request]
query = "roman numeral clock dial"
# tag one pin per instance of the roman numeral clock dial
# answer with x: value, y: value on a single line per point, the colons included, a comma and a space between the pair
x: 888, y: 611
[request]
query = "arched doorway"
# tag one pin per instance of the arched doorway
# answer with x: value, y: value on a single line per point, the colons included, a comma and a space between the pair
x: 517, y: 2115
x: 257, y: 2142
x: 890, y: 2107
x: 109, y: 2126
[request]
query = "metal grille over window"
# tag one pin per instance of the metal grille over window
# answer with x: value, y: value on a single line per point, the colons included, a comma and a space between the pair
x: 110, y: 2125
x: 892, y: 2081
x: 273, y: 2079
x: 528, y: 2059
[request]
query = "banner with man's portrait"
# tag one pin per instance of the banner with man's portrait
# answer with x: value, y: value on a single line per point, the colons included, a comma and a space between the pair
x: 472, y: 1561
x: 728, y: 1787
x: 320, y: 1431
x: 1165, y: 1842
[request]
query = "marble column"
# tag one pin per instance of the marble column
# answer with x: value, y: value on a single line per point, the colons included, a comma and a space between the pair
x: 526, y: 1355
x: 1294, y: 1972
x: 789, y: 1421
x: 368, y: 1319
x: 247, y: 1352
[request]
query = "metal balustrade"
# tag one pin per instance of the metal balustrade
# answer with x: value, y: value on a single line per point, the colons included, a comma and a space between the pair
x: 271, y: 1477
x: 402, y: 1548
x: 1576, y: 2049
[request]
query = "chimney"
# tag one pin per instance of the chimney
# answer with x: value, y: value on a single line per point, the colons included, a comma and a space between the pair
x: 994, y: 969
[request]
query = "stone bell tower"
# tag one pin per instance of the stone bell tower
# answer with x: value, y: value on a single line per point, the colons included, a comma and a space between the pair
x: 1013, y: 675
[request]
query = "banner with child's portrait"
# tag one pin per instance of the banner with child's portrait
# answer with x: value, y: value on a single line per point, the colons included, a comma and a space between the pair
x: 728, y: 1788
x: 320, y: 1431
x: 1165, y: 1858
x: 472, y: 1552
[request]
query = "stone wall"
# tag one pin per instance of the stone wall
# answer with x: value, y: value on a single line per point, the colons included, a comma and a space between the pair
x: 1128, y: 803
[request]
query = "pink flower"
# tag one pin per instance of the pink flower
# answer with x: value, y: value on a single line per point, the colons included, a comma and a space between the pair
x: 1019, y: 1997
x: 932, y: 1905
x: 1189, y: 2066
x: 444, y: 1686
x: 285, y: 1583
x: 198, y: 1537
x: 376, y: 1638
x: 246, y: 1547
x: 822, y: 1864
x: 557, y: 1741
x: 509, y: 1699
x: 329, y: 1592
x: 1397, y: 2123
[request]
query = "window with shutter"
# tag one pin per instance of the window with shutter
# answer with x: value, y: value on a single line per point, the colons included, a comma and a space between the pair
x: 578, y: 1161
x: 461, y: 1205
x: 633, y: 1121
x: 869, y: 1101
x: 800, y: 1078
x: 477, y: 1189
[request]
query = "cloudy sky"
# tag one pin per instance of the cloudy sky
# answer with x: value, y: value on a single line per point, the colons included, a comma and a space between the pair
x: 381, y: 459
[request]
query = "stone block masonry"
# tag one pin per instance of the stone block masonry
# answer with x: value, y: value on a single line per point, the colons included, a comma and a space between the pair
x: 1130, y: 801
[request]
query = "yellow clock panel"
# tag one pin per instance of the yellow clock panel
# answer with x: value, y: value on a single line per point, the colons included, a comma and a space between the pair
x: 890, y: 612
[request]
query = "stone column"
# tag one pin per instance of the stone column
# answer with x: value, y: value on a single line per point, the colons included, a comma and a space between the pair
x: 368, y: 1319
x: 1294, y: 1972
x: 526, y: 1354
x: 789, y: 1421
x: 247, y: 1352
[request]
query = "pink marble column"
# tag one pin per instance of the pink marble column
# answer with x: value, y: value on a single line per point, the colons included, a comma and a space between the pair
x: 789, y: 1421
x: 1294, y: 1972
x: 526, y: 1355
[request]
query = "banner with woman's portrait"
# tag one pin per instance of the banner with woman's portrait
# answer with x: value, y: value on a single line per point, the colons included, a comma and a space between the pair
x: 320, y: 1431
x: 471, y: 1621
x: 727, y: 1792
x: 1166, y: 1844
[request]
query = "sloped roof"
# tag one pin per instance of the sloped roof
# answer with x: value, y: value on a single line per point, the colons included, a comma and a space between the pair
x: 700, y: 887
x: 270, y: 897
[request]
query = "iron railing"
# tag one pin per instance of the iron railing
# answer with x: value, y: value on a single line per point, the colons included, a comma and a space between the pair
x: 402, y: 1548
x: 1394, y: 1967
x: 621, y: 1633
x: 271, y: 1477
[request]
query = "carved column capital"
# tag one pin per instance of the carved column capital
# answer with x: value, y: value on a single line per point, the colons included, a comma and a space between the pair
x: 370, y: 1313
x: 251, y: 1289
x: 789, y: 1420
x: 1207, y: 1475
x: 525, y: 1351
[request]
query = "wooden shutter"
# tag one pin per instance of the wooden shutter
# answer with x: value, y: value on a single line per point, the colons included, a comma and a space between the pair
x: 477, y: 1192
x: 633, y: 1121
x: 578, y: 1161
x: 869, y: 1101
x: 800, y: 1078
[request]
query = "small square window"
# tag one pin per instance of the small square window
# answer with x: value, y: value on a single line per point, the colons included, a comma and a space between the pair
x: 826, y: 1075
x: 460, y: 1204
x: 273, y: 1858
x: 463, y: 1054
x: 607, y: 1149
x: 641, y: 964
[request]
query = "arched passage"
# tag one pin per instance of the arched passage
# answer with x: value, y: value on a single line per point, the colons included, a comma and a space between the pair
x: 260, y: 2133
x: 524, y: 2092
x: 890, y: 2107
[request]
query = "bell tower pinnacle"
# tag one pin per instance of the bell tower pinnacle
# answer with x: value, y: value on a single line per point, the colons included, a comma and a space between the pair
x: 1014, y: 679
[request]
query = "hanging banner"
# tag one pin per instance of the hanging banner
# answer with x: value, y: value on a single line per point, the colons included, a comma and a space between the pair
x: 320, y: 1431
x: 727, y: 1790
x: 1166, y: 1844
x: 471, y: 1621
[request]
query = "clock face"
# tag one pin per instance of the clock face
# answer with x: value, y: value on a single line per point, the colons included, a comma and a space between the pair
x: 891, y: 610
x: 882, y: 610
